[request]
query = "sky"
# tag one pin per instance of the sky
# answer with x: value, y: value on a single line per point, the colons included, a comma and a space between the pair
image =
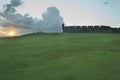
x: 75, y: 12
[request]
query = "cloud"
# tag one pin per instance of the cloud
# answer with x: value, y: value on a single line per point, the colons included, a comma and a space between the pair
x: 51, y: 20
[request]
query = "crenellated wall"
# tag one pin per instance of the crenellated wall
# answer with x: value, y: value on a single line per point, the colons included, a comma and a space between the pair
x: 90, y: 29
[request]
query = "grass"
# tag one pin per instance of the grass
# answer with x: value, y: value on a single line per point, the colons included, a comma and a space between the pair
x: 60, y: 57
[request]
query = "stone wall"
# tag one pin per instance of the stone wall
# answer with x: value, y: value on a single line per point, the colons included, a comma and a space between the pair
x: 90, y: 29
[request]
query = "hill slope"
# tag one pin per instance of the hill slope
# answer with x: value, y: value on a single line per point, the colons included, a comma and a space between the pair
x: 60, y: 57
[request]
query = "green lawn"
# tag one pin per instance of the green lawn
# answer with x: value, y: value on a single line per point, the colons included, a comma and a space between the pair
x: 60, y: 57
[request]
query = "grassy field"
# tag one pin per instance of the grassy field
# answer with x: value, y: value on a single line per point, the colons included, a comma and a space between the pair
x: 60, y: 57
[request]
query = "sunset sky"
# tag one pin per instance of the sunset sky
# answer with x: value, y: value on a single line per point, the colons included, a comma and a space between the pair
x: 75, y: 12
